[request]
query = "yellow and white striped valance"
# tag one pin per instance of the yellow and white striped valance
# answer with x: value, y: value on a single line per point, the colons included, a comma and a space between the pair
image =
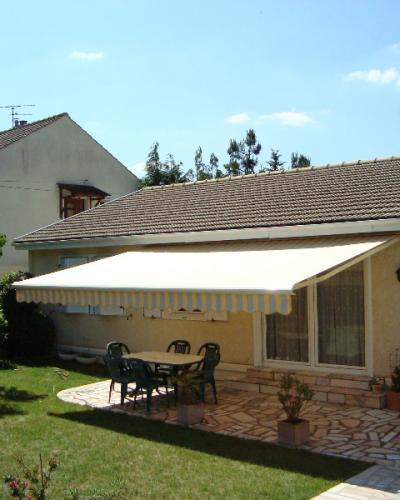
x: 267, y: 304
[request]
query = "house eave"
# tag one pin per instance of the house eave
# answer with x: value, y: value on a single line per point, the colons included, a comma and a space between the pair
x: 300, y: 231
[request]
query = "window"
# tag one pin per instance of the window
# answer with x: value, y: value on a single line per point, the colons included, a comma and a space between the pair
x: 287, y: 336
x: 341, y: 324
x: 65, y: 263
x: 75, y: 198
x: 335, y: 335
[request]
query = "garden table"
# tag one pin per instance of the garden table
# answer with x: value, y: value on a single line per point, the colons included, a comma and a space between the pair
x: 173, y: 359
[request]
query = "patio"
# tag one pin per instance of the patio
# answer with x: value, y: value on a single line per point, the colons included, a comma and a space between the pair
x: 369, y: 435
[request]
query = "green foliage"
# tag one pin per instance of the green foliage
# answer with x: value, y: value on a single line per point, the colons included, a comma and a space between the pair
x: 28, y: 330
x: 243, y: 155
x: 188, y: 388
x: 395, y: 377
x: 299, y: 161
x: 293, y: 396
x: 159, y: 172
x: 2, y: 242
x: 275, y: 162
x: 35, y: 481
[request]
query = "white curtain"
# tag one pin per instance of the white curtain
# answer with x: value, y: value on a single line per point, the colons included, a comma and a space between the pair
x: 341, y: 324
x: 287, y: 336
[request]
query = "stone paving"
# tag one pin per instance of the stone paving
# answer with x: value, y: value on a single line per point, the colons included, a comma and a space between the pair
x: 350, y: 432
x: 376, y: 483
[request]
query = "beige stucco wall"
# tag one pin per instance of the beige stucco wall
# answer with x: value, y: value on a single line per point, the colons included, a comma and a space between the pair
x: 235, y: 335
x: 385, y: 290
x: 30, y: 169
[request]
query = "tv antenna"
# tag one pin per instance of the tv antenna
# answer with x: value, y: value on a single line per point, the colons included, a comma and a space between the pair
x: 14, y: 114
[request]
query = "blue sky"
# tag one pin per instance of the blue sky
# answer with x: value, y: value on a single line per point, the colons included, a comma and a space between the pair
x: 317, y: 77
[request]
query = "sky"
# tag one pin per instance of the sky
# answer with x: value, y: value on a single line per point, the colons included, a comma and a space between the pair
x: 316, y: 77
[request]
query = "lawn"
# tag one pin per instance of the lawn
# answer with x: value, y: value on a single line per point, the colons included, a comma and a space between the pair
x: 104, y: 455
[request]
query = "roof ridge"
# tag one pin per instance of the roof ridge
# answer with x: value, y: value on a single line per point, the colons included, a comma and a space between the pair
x: 275, y: 172
x: 21, y: 127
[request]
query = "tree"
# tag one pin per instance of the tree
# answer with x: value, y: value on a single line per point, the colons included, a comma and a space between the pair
x: 2, y: 242
x: 159, y: 172
x: 251, y: 150
x: 153, y: 167
x: 214, y: 167
x: 275, y: 162
x: 300, y: 161
x: 202, y: 170
x: 243, y: 155
x: 235, y: 152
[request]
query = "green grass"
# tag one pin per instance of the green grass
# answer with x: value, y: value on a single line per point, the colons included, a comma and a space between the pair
x: 104, y: 455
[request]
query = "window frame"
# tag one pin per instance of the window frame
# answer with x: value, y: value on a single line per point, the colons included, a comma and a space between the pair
x: 313, y: 363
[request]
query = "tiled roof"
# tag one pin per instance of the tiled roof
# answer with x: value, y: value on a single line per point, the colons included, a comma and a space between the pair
x: 12, y: 135
x: 338, y: 193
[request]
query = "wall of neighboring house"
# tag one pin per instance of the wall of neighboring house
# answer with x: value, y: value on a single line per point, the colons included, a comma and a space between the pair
x: 234, y: 335
x: 30, y: 169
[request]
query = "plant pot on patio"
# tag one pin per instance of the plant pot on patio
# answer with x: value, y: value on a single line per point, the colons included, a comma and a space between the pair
x: 190, y: 408
x: 293, y: 396
x: 293, y: 433
x: 190, y: 414
x: 393, y: 394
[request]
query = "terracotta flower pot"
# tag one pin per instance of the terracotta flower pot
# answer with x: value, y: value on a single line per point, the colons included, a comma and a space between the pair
x: 377, y: 388
x: 393, y: 400
x: 190, y: 414
x: 293, y: 433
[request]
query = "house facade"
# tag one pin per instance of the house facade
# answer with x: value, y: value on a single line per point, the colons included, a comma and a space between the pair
x: 326, y: 239
x: 49, y: 170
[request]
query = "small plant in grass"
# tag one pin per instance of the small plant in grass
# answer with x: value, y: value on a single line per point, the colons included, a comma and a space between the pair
x: 293, y: 396
x: 34, y: 481
x: 61, y: 374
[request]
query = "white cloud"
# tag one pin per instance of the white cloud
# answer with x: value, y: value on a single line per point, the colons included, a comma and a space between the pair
x: 293, y: 118
x: 378, y: 76
x: 86, y: 56
x: 239, y: 118
x: 395, y: 46
x: 138, y: 169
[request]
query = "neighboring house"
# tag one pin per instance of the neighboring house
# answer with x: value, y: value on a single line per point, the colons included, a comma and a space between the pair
x: 49, y: 170
x: 228, y: 256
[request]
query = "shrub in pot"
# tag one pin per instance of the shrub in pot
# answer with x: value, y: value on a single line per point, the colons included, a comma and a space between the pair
x: 377, y: 384
x: 293, y: 396
x: 393, y: 394
x: 190, y: 408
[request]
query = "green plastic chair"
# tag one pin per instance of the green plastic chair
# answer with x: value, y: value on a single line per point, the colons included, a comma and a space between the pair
x: 117, y: 349
x: 119, y: 374
x: 205, y: 375
x: 146, y: 380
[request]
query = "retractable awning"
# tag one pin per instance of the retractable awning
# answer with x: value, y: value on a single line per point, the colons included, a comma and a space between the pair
x: 244, y: 277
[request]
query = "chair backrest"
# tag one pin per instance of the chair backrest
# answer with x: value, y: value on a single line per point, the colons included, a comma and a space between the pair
x: 142, y: 370
x: 179, y: 346
x: 113, y: 364
x: 209, y: 347
x: 211, y: 360
x: 117, y: 349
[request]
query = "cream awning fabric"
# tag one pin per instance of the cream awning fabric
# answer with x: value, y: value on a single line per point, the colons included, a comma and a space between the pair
x: 242, y: 277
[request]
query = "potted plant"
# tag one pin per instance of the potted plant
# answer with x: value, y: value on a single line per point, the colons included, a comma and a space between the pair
x: 293, y: 396
x: 190, y: 409
x: 377, y: 384
x: 393, y: 394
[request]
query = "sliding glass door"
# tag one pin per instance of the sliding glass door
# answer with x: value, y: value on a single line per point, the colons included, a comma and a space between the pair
x: 341, y: 324
x: 327, y: 329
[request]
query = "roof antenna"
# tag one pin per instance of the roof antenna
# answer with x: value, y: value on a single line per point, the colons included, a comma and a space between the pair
x: 14, y: 114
